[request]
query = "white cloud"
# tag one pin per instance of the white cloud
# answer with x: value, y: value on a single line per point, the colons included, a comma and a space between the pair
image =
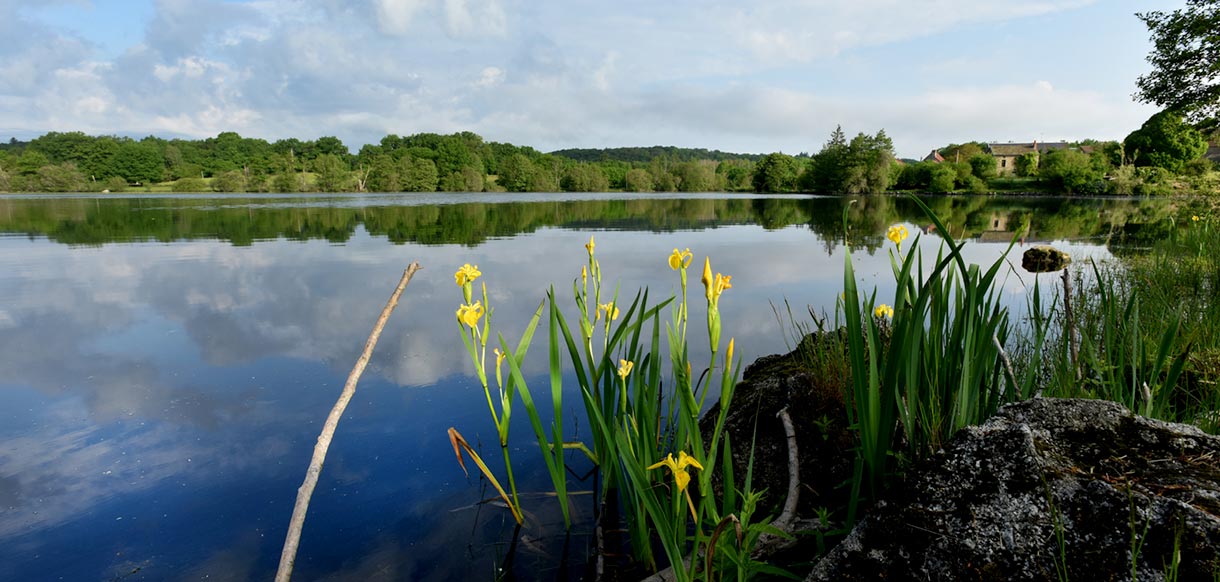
x: 395, y: 16
x: 491, y: 77
x: 474, y: 17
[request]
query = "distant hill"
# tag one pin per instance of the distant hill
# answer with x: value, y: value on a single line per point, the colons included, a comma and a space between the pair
x: 647, y: 154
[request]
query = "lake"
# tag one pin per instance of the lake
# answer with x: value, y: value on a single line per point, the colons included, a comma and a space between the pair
x: 166, y: 362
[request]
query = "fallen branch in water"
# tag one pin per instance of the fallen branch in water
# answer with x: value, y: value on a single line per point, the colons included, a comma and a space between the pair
x: 288, y: 556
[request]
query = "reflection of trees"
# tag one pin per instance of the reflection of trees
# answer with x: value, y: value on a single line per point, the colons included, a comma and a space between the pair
x: 241, y: 221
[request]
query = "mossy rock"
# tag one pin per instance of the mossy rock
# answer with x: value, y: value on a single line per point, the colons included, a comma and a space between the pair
x: 1045, y: 259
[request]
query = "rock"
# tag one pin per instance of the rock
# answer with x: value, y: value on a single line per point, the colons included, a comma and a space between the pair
x: 1045, y: 259
x: 815, y: 403
x: 1047, y: 484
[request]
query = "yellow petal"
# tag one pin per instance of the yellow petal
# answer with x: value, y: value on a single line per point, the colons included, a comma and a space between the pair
x: 682, y: 479
x: 465, y: 274
x: 668, y: 461
x: 707, y: 277
x: 685, y: 460
x: 675, y: 260
x: 589, y: 247
x: 624, y: 368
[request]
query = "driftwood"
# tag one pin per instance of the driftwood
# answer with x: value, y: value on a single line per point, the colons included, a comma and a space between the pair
x: 289, y: 554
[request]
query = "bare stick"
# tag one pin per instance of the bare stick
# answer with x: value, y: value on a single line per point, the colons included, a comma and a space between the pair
x: 1071, y: 322
x: 289, y: 555
x: 767, y: 542
x: 1012, y: 378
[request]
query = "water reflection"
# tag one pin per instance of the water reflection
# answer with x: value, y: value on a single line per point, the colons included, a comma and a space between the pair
x: 163, y: 377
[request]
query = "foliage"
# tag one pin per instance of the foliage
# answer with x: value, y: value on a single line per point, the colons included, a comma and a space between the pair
x: 191, y: 185
x: 332, y: 171
x: 231, y: 181
x: 856, y: 167
x: 983, y: 165
x: 776, y: 172
x: 1185, y: 51
x: 637, y: 180
x: 647, y: 154
x: 695, y: 176
x: 584, y: 178
x: 736, y: 175
x: 1070, y: 172
x: 635, y: 430
x: 1165, y: 141
x: 929, y: 363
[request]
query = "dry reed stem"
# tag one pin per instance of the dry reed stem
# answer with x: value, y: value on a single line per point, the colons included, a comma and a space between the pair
x: 288, y: 556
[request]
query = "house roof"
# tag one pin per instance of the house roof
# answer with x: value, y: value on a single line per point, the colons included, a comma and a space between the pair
x: 1016, y: 149
x: 934, y: 157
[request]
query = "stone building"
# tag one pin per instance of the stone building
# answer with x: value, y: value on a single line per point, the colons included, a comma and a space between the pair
x: 1006, y: 154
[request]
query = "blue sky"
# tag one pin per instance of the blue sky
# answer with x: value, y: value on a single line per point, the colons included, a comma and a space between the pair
x: 735, y: 76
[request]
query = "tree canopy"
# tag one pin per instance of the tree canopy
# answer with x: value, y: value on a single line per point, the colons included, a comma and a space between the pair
x: 1165, y: 141
x: 1186, y: 62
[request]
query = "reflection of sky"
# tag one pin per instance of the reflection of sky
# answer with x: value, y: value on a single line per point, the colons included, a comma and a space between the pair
x: 160, y: 401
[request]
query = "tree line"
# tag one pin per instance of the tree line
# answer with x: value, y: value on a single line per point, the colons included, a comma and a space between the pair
x: 1152, y: 160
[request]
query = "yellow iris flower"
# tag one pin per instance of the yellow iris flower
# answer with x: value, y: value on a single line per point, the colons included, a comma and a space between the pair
x: 589, y: 247
x: 609, y: 309
x: 624, y: 368
x: 1194, y: 217
x: 470, y: 314
x: 678, y: 468
x: 466, y: 274
x: 884, y: 310
x: 680, y: 259
x: 707, y: 277
x: 897, y: 234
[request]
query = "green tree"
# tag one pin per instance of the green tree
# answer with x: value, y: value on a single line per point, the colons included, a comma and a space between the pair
x: 584, y: 177
x: 1071, y: 172
x: 827, y: 170
x: 866, y: 168
x: 63, y: 177
x: 736, y: 174
x: 137, y: 162
x: 637, y: 180
x: 515, y: 173
x: 1165, y: 141
x: 543, y: 181
x: 114, y: 184
x: 963, y: 152
x: 333, y: 173
x: 942, y: 178
x: 693, y: 176
x: 384, y: 175
x: 418, y: 174
x: 333, y: 146
x: 231, y: 181
x: 191, y: 184
x: 776, y: 172
x: 616, y: 173
x: 982, y: 165
x: 29, y: 162
x: 1027, y: 165
x: 1186, y: 50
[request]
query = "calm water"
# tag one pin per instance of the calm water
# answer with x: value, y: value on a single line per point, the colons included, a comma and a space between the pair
x: 166, y: 362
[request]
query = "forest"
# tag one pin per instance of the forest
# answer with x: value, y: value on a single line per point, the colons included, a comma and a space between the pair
x: 1165, y: 155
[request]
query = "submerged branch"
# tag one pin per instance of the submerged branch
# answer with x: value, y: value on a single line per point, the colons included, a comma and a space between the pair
x: 289, y: 554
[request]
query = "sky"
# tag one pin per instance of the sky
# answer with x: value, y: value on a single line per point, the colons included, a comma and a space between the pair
x: 751, y: 77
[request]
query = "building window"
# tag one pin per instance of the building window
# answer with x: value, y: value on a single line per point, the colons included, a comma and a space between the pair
x: 1003, y: 162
